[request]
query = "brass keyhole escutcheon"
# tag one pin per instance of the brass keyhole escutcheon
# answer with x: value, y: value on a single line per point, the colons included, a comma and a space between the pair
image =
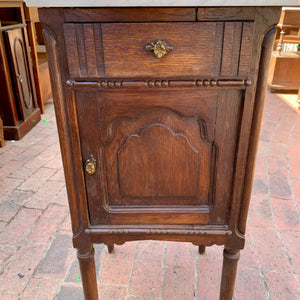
x: 20, y: 78
x: 90, y: 165
x: 160, y: 48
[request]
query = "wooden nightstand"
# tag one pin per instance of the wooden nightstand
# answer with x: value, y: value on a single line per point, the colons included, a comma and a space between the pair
x: 158, y: 112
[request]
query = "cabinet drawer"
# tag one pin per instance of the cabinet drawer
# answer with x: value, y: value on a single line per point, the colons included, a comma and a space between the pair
x: 119, y: 50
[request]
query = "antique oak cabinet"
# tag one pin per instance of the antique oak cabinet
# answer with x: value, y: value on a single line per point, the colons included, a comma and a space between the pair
x: 158, y: 113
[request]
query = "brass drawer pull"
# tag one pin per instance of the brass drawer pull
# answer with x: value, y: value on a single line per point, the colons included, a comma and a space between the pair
x: 90, y: 165
x: 160, y: 48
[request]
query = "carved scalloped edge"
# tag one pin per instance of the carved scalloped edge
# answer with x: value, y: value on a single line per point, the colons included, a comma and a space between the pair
x: 109, y: 84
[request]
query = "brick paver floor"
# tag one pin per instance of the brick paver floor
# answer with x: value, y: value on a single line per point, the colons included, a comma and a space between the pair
x: 37, y: 260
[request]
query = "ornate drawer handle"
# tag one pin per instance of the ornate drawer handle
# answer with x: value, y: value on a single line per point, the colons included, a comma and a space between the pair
x: 160, y: 48
x: 90, y: 165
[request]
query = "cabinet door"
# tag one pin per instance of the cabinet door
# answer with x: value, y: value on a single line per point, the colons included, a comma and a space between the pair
x: 163, y: 156
x: 19, y: 63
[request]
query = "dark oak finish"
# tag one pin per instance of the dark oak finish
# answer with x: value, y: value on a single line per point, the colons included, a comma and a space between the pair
x: 2, y: 141
x: 159, y: 148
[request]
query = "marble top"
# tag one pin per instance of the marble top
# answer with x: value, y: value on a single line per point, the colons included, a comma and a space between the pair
x: 158, y: 3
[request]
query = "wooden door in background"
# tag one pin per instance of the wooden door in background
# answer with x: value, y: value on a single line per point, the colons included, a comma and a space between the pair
x: 20, y: 71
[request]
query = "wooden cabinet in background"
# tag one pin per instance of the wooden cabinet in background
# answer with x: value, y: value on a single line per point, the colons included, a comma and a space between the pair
x: 284, y: 73
x: 39, y: 56
x: 18, y: 106
x: 158, y: 113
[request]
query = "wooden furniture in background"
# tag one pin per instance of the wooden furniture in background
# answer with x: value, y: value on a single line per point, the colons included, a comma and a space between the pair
x: 18, y: 106
x: 158, y: 113
x: 39, y: 58
x: 285, y: 67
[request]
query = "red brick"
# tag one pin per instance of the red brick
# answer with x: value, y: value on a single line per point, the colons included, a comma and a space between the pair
x: 48, y: 223
x: 289, y: 122
x: 278, y: 150
x: 209, y: 278
x: 147, y: 270
x: 294, y: 167
x: 2, y: 226
x: 278, y: 166
x: 266, y: 133
x: 17, y: 274
x: 23, y: 173
x: 261, y: 165
x: 37, y: 180
x: 55, y: 162
x: 139, y: 298
x: 260, y: 213
x: 117, y: 266
x: 280, y: 136
x: 10, y: 167
x: 111, y: 292
x: 291, y: 240
x: 263, y: 148
x: 179, y: 283
x: 7, y: 185
x: 35, y: 163
x: 62, y: 197
x: 6, y: 253
x: 50, y: 152
x: 9, y: 297
x: 70, y: 292
x: 280, y: 187
x: 260, y: 185
x: 18, y: 228
x: 297, y: 126
x: 74, y: 276
x: 249, y: 285
x: 296, y: 188
x: 294, y: 146
x: 66, y: 225
x: 5, y: 157
x: 269, y: 249
x: 45, y: 195
x: 181, y: 254
x: 50, y: 139
x: 58, y: 257
x: 12, y: 204
x: 286, y: 215
x: 282, y: 285
x: 30, y: 152
x: 248, y: 257
x: 40, y: 288
x: 58, y: 176
x: 278, y: 114
x: 212, y: 252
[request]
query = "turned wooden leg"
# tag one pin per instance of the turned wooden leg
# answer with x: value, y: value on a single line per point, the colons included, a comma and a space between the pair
x: 201, y: 249
x: 88, y: 274
x: 110, y: 248
x: 230, y: 262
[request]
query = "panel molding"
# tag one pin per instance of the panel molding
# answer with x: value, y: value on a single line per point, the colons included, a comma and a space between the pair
x: 130, y: 127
